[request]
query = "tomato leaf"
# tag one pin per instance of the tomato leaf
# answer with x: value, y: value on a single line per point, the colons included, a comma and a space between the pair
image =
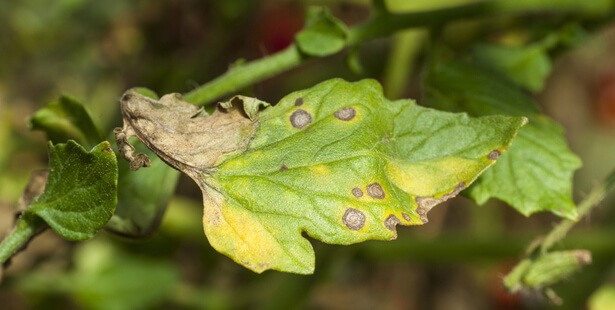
x: 80, y: 194
x: 337, y: 161
x: 66, y: 119
x: 536, y: 173
x: 322, y: 35
x: 142, y: 195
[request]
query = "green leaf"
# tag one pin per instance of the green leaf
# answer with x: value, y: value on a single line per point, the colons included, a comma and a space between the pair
x: 546, y: 270
x: 536, y: 174
x: 337, y: 161
x: 143, y: 196
x: 322, y: 35
x: 66, y: 119
x: 80, y: 194
x: 527, y: 66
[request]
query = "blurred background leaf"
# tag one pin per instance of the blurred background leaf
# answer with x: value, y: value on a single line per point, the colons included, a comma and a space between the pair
x: 94, y: 51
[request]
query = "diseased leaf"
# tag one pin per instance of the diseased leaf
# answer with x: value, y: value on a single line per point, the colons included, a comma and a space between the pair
x: 143, y: 195
x: 80, y: 194
x: 536, y: 174
x: 322, y: 35
x: 66, y: 119
x: 337, y: 161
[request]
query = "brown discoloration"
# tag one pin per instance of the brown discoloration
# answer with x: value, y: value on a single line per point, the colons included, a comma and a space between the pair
x: 374, y: 190
x: 128, y: 151
x: 391, y: 222
x: 299, y: 102
x: 425, y: 204
x: 283, y: 168
x: 179, y: 135
x: 345, y: 114
x: 406, y: 217
x: 357, y: 192
x: 353, y: 219
x: 108, y: 150
x: 494, y: 155
x: 583, y: 257
x: 300, y: 118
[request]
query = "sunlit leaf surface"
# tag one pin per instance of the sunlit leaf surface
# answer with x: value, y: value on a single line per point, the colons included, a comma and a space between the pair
x: 536, y: 174
x: 338, y: 162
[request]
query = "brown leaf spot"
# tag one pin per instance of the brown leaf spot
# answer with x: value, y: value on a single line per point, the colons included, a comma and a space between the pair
x: 583, y: 257
x: 283, y: 168
x: 300, y: 118
x: 406, y: 216
x: 357, y: 192
x: 374, y: 190
x: 391, y: 222
x: 345, y: 114
x: 298, y: 102
x: 353, y: 219
x: 427, y: 203
x: 108, y: 150
x: 494, y: 155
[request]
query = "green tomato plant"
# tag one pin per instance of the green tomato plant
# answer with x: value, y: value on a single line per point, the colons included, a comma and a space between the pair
x: 339, y: 162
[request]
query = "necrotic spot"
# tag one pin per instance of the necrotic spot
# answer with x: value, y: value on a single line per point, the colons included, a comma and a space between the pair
x: 357, y: 192
x: 283, y: 168
x: 298, y: 102
x: 406, y: 217
x: 494, y: 155
x: 353, y: 219
x: 300, y: 118
x: 374, y: 190
x: 345, y: 114
x: 391, y: 222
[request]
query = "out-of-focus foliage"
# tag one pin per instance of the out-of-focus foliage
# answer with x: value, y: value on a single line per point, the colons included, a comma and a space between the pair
x: 536, y: 174
x: 93, y: 51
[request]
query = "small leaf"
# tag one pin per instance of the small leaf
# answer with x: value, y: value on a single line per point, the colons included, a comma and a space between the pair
x: 66, y: 119
x: 322, y: 35
x: 80, y: 194
x: 337, y: 161
x: 145, y: 92
x: 528, y: 66
x: 536, y: 174
x: 546, y: 270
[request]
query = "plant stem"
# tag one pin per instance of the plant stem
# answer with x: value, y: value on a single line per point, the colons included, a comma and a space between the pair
x: 24, y: 231
x: 592, y: 200
x: 382, y: 24
x: 244, y: 75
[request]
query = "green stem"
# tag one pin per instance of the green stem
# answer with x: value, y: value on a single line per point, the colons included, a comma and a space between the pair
x: 244, y: 75
x: 386, y: 24
x: 381, y: 24
x: 592, y: 200
x: 24, y: 231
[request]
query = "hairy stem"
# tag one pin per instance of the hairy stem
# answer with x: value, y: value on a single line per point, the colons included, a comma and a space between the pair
x: 381, y: 24
x: 592, y: 200
x: 24, y: 231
